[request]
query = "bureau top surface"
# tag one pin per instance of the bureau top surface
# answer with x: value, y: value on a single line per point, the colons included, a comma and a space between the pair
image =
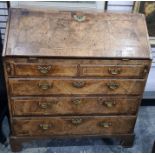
x: 76, y: 34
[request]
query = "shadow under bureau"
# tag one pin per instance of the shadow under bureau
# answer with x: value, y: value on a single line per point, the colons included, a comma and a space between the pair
x: 72, y: 74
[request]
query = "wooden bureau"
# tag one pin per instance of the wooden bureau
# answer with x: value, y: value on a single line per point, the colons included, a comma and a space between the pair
x: 72, y: 74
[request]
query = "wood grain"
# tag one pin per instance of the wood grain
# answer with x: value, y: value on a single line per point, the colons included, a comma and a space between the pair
x: 70, y: 61
x: 40, y: 106
x: 65, y: 125
x: 58, y: 34
x: 77, y: 68
x: 20, y: 87
x: 69, y: 73
x: 114, y: 71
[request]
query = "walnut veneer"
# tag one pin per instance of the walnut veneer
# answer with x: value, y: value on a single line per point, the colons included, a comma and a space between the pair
x: 72, y: 74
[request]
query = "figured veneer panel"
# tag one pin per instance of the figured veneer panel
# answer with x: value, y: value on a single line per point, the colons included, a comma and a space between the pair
x: 34, y: 106
x: 20, y: 87
x: 73, y: 125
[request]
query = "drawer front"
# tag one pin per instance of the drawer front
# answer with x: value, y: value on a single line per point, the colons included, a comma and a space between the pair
x: 77, y: 86
x: 24, y: 70
x: 74, y: 105
x: 77, y: 67
x: 73, y: 125
x: 130, y: 71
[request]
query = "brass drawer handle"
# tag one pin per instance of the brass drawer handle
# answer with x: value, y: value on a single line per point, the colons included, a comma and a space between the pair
x: 46, y: 105
x: 79, y: 18
x: 44, y: 69
x: 108, y: 104
x: 78, y: 84
x: 105, y: 124
x: 76, y: 121
x: 45, y: 126
x: 113, y: 85
x: 44, y: 86
x: 114, y: 71
x: 76, y: 101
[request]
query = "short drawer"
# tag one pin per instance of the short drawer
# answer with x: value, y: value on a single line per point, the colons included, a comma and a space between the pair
x: 33, y: 87
x: 77, y: 125
x: 74, y: 105
x: 41, y: 70
x: 115, y: 71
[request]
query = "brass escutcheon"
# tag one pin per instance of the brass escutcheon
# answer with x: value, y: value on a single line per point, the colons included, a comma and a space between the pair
x: 76, y: 101
x: 114, y: 71
x: 45, y: 105
x: 76, y: 121
x: 44, y: 86
x: 45, y: 126
x: 112, y: 85
x: 79, y: 18
x: 78, y: 84
x: 108, y: 104
x: 105, y: 124
x: 44, y: 69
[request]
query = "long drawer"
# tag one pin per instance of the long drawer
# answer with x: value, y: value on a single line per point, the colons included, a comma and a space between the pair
x: 74, y: 105
x: 48, y: 86
x: 73, y: 125
x: 80, y: 68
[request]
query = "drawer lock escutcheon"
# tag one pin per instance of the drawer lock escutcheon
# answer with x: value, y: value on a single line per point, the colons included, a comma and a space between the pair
x: 79, y: 18
x: 76, y: 121
x: 46, y: 105
x: 113, y: 85
x: 108, y: 104
x: 105, y: 124
x: 45, y: 126
x: 78, y: 84
x: 76, y: 101
x: 44, y: 86
x: 115, y: 71
x: 44, y: 69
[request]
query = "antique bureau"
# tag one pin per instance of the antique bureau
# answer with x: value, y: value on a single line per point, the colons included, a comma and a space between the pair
x: 72, y: 74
